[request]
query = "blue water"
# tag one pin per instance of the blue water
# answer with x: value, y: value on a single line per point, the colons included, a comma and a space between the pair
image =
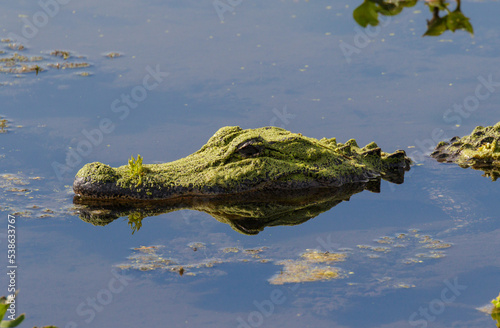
x: 182, y: 75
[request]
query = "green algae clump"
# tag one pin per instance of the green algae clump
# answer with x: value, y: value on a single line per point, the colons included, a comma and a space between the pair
x: 3, y: 125
x: 306, y: 268
x: 315, y: 256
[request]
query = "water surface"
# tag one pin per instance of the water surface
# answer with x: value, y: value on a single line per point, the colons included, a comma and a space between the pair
x: 182, y: 75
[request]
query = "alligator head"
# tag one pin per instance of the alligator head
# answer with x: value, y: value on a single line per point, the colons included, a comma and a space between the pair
x: 236, y: 161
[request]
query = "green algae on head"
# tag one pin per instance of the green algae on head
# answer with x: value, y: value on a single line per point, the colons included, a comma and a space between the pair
x: 234, y: 161
x: 479, y: 150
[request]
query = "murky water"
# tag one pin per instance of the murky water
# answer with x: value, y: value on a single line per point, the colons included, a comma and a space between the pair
x: 176, y: 74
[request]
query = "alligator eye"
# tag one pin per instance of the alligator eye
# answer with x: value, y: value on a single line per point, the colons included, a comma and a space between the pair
x: 249, y: 148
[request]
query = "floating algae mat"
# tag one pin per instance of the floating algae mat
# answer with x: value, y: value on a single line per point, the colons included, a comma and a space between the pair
x: 399, y: 252
x: 307, y: 268
x: 18, y: 60
x: 22, y: 196
x: 192, y: 259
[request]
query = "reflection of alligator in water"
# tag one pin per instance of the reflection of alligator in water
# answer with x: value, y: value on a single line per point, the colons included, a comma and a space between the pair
x: 479, y: 150
x: 247, y: 214
x: 367, y: 14
x: 236, y: 161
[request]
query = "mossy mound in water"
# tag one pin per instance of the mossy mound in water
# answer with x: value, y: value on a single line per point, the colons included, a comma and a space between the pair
x: 235, y: 161
x: 479, y: 150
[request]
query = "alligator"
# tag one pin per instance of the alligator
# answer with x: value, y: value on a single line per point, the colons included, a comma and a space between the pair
x: 236, y: 161
x: 479, y: 150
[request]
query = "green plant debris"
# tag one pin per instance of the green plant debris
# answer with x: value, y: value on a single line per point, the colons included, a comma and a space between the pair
x: 197, y: 246
x: 305, y: 269
x: 432, y: 255
x: 302, y: 271
x: 22, y: 69
x: 385, y: 240
x: 61, y: 53
x: 69, y: 65
x: 3, y: 125
x: 404, y: 240
x: 230, y: 250
x: 15, y: 57
x: 149, y: 258
x: 14, y: 189
x: 16, y: 64
x: 411, y: 260
x: 255, y: 252
x: 16, y: 46
x: 197, y: 258
x: 113, y: 55
x: 315, y: 256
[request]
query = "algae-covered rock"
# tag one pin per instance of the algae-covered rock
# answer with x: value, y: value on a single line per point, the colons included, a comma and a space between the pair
x: 479, y: 150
